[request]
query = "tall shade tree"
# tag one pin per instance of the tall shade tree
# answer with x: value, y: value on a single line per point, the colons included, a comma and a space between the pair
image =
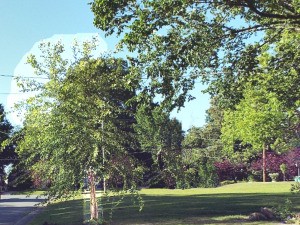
x: 260, y: 120
x: 202, y: 148
x: 198, y: 143
x: 177, y: 41
x: 76, y: 127
x: 161, y: 137
x: 212, y: 128
x: 203, y: 144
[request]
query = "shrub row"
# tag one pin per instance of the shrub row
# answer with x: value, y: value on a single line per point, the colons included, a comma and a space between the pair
x: 252, y: 170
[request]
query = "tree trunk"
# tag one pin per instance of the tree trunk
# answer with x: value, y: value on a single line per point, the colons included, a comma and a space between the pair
x: 93, y: 198
x: 103, y: 157
x: 264, y: 163
x: 159, y: 159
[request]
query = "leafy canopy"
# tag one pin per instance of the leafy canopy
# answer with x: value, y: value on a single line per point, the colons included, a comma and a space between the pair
x: 177, y: 41
x: 78, y: 120
x: 259, y: 119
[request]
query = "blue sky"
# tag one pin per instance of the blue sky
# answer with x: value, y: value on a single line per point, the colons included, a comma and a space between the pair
x: 24, y: 23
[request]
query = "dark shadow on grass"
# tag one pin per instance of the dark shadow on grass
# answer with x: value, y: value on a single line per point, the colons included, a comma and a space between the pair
x: 9, y: 215
x: 165, y: 209
x: 21, y: 200
x: 63, y: 213
x: 215, y: 221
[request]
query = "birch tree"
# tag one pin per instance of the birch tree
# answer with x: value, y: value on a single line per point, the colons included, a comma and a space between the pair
x: 75, y: 126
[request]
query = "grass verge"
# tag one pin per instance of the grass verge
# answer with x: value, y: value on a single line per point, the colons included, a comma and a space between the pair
x: 28, y: 192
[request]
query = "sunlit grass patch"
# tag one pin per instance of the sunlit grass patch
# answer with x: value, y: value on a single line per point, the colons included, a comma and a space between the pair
x: 28, y: 192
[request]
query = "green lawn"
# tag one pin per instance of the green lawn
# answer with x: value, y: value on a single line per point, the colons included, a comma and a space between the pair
x: 63, y: 213
x: 230, y: 204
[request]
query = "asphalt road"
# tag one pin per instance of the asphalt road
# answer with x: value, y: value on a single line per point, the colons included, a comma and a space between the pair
x: 15, y: 207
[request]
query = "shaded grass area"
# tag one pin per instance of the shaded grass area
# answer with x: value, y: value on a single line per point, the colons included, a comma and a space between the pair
x: 69, y: 212
x: 196, y: 208
x: 230, y: 204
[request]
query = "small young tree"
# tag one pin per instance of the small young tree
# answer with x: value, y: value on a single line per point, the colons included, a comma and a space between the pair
x: 283, y: 168
x: 74, y: 127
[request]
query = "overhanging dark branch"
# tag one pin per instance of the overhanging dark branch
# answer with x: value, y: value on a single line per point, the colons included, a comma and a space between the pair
x: 251, y: 6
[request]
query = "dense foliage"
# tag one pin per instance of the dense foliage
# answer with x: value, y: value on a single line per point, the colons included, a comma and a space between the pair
x: 198, y: 158
x: 178, y: 41
x: 7, y: 153
x: 161, y: 137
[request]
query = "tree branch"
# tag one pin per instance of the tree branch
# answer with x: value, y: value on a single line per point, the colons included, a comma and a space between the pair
x: 251, y: 6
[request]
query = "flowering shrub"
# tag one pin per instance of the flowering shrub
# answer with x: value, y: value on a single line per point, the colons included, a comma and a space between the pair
x: 273, y: 162
x: 228, y: 170
x: 291, y: 158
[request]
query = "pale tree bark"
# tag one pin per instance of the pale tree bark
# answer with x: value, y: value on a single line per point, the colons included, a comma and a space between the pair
x: 264, y: 163
x: 103, y: 158
x: 93, y: 198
